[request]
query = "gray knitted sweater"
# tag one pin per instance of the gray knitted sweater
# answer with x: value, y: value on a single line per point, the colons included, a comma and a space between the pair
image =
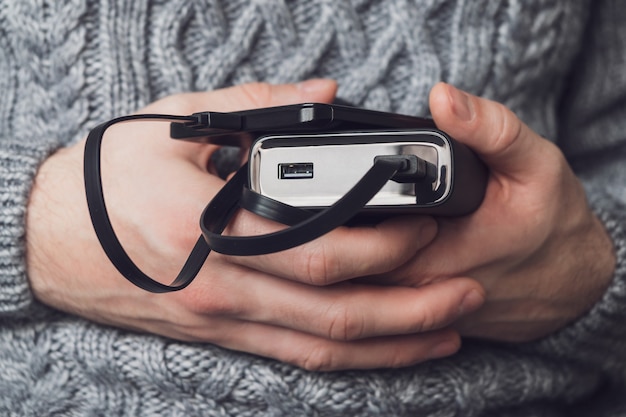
x: 66, y: 65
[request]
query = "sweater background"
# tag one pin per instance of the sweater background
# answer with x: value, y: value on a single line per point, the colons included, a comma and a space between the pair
x: 67, y: 65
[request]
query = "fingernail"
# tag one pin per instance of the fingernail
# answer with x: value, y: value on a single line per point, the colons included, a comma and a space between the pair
x: 471, y: 302
x: 461, y: 104
x: 314, y: 85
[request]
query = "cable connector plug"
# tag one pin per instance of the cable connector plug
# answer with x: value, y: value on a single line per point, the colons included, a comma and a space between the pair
x: 215, y: 120
x: 412, y: 169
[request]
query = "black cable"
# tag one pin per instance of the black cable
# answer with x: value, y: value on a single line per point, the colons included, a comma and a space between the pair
x: 311, y: 228
x: 104, y: 229
x: 306, y: 225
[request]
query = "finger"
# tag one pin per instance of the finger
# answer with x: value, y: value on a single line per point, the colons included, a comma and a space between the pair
x: 247, y: 96
x: 506, y: 144
x: 344, y: 253
x: 339, y: 312
x: 242, y: 97
x: 318, y: 354
x: 256, y: 95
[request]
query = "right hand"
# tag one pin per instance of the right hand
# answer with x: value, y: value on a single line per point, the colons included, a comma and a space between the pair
x: 314, y: 319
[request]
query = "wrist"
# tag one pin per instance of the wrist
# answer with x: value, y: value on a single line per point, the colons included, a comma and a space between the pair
x: 46, y: 228
x: 597, y: 337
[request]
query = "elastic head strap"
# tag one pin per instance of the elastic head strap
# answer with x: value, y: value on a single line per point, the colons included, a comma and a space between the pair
x: 104, y: 229
x: 309, y: 226
x: 306, y: 225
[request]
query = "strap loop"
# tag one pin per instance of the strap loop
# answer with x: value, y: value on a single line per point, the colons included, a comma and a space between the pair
x: 104, y: 229
x: 307, y: 229
x: 305, y: 225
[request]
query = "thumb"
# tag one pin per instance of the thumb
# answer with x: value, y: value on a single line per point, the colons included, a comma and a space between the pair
x: 493, y: 131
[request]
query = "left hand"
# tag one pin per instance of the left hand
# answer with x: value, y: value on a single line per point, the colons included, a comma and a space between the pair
x: 540, y: 253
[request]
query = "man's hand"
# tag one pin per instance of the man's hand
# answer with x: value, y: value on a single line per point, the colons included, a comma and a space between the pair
x: 156, y: 189
x: 542, y: 256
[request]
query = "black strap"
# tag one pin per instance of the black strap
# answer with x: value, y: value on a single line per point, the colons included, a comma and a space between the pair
x: 307, y: 229
x: 305, y: 225
x: 104, y: 229
x: 272, y: 209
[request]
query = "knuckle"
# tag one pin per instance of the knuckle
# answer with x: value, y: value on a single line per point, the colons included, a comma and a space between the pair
x: 554, y: 166
x: 509, y: 129
x: 426, y: 321
x: 316, y: 266
x: 318, y: 358
x: 400, y: 359
x: 344, y: 325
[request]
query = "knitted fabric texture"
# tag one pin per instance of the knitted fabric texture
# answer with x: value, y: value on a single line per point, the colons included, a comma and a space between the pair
x: 67, y: 65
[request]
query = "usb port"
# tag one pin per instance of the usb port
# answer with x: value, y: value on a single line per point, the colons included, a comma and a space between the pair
x: 300, y: 170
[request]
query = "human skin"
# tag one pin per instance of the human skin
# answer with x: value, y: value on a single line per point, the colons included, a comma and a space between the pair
x: 541, y: 255
x: 533, y: 253
x: 156, y: 189
x: 539, y: 251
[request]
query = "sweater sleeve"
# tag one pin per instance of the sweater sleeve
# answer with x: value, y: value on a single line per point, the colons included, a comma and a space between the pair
x: 593, y: 137
x: 43, y: 106
x: 19, y: 161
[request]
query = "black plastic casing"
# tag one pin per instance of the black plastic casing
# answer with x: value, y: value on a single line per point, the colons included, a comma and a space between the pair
x: 245, y: 128
x: 469, y: 183
x: 466, y: 179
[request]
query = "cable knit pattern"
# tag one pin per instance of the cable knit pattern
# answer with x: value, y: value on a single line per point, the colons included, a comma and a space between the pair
x: 40, y: 62
x: 66, y: 65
